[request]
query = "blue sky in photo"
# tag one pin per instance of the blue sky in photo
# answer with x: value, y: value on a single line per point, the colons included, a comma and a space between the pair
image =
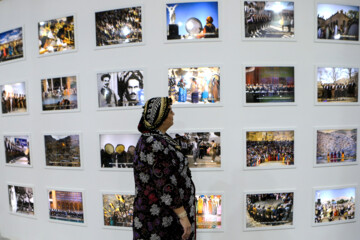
x: 325, y: 74
x: 327, y: 10
x: 279, y: 6
x: 329, y: 194
x: 11, y: 35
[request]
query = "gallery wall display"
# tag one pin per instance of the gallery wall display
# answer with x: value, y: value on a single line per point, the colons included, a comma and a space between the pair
x: 17, y: 150
x: 21, y: 200
x: 11, y: 45
x: 209, y: 211
x: 118, y: 210
x: 13, y: 98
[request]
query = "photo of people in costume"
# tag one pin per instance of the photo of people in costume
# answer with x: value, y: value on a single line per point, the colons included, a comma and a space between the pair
x: 270, y: 84
x: 208, y: 211
x: 337, y: 84
x: 56, y: 35
x: 21, y: 200
x: 118, y: 210
x: 269, y: 19
x: 62, y: 150
x: 11, y: 45
x: 192, y: 20
x: 17, y: 150
x: 66, y: 206
x: 13, y: 98
x: 118, y: 26
x: 121, y: 89
x: 336, y: 146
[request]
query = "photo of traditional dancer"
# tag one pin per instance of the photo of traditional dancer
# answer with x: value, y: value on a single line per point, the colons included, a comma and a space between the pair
x: 121, y: 89
x: 268, y: 149
x: 208, y: 211
x: 17, y: 150
x: 13, y: 98
x: 119, y: 26
x: 21, y: 200
x: 270, y: 85
x: 337, y: 84
x: 11, y: 45
x: 59, y: 93
x: 192, y: 20
x: 336, y: 146
x: 269, y: 210
x: 62, y: 150
x: 334, y: 205
x: 66, y: 206
x: 194, y: 85
x: 118, y: 210
x: 56, y: 35
x: 269, y: 19
x: 337, y: 22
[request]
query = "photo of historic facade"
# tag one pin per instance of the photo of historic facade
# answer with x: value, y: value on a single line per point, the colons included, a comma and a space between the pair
x: 62, y: 150
x: 66, y: 206
x: 17, y: 150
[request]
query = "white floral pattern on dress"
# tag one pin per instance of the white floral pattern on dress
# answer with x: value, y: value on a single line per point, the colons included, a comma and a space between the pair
x: 181, y: 192
x: 173, y: 180
x: 150, y: 158
x: 166, y: 151
x: 166, y: 221
x: 142, y: 157
x: 144, y: 177
x: 155, y: 237
x: 150, y: 139
x: 155, y: 210
x: 137, y: 223
x: 192, y: 211
x: 157, y: 146
x: 180, y: 155
x: 166, y: 198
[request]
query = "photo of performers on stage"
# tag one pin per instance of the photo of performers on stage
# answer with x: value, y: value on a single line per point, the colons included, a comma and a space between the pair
x: 269, y: 210
x: 334, y: 205
x: 269, y: 149
x: 59, y: 93
x: 192, y: 20
x: 62, y: 150
x: 21, y: 200
x: 270, y: 85
x: 194, y: 85
x: 336, y: 146
x: 337, y: 22
x: 17, y: 150
x: 121, y: 89
x: 118, y: 26
x: 56, y: 35
x: 13, y: 98
x: 66, y: 206
x: 337, y: 84
x: 11, y: 45
x: 118, y: 210
x: 208, y: 211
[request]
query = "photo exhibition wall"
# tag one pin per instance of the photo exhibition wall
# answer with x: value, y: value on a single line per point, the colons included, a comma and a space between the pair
x: 266, y: 103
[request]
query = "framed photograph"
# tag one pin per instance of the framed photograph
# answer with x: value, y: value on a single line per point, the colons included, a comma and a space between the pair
x: 21, y: 200
x: 13, y: 98
x: 17, y: 150
x: 269, y: 210
x: 209, y: 212
x: 57, y: 35
x: 118, y: 210
x: 119, y: 27
x: 192, y: 21
x: 11, y: 45
x: 333, y: 205
x: 120, y: 89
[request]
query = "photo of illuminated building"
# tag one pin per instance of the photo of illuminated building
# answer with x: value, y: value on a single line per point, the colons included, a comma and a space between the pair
x: 13, y: 98
x: 21, y: 200
x: 118, y: 210
x: 17, y: 150
x: 66, y: 206
x: 11, y: 45
x: 208, y: 211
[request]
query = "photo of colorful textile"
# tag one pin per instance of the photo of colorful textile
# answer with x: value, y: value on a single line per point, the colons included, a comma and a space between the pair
x: 17, y: 150
x: 62, y: 150
x: 208, y: 211
x: 66, y: 206
x: 21, y: 200
x: 13, y: 98
x: 118, y: 210
x: 11, y: 45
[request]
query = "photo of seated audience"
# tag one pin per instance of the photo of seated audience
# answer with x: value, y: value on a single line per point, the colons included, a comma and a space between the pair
x: 119, y: 26
x: 208, y: 211
x: 11, y: 45
x: 118, y: 210
x: 62, y: 150
x: 21, y: 200
x: 66, y: 206
x: 17, y: 150
x: 13, y: 98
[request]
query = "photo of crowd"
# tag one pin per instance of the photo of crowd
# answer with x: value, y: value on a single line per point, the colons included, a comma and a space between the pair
x: 194, y: 85
x: 337, y: 84
x: 118, y: 26
x: 268, y: 19
x: 62, y: 150
x: 270, y: 84
x: 118, y: 210
x: 59, y: 93
x: 17, y: 150
x: 11, y: 45
x: 208, y: 211
x: 337, y: 22
x: 119, y: 89
x: 334, y: 205
x: 66, y: 206
x: 56, y: 35
x: 13, y: 98
x: 21, y: 200
x: 269, y: 210
x: 336, y: 146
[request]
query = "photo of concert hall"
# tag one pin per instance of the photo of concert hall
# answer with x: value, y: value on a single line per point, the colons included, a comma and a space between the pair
x: 118, y: 210
x: 21, y: 200
x: 13, y: 98
x: 66, y: 206
x: 208, y: 211
x: 17, y: 150
x: 11, y: 45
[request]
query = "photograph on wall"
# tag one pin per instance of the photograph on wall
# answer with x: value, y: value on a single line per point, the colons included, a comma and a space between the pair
x: 120, y: 89
x: 59, y: 93
x: 118, y: 210
x: 334, y: 205
x: 11, y: 45
x: 269, y: 19
x: 337, y: 85
x: 56, y: 35
x: 337, y: 22
x: 270, y: 85
x: 208, y: 212
x: 62, y: 150
x: 194, y: 85
x: 269, y: 210
x: 21, y: 200
x: 13, y: 98
x: 119, y: 26
x: 192, y: 20
x: 66, y: 206
x: 17, y: 150
x: 268, y: 149
x: 336, y: 146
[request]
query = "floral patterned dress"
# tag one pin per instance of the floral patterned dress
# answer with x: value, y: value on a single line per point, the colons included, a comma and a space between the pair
x: 162, y: 183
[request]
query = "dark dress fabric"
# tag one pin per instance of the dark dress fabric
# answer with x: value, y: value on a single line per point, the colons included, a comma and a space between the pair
x: 162, y: 183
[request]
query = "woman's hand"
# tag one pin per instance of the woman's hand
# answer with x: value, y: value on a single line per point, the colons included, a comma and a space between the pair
x: 186, y: 226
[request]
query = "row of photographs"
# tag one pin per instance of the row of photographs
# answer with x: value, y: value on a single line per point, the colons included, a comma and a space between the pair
x: 263, y: 149
x: 265, y: 210
x: 186, y: 21
x: 187, y: 86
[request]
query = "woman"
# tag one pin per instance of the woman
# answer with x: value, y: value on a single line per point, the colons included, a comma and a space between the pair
x: 164, y: 205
